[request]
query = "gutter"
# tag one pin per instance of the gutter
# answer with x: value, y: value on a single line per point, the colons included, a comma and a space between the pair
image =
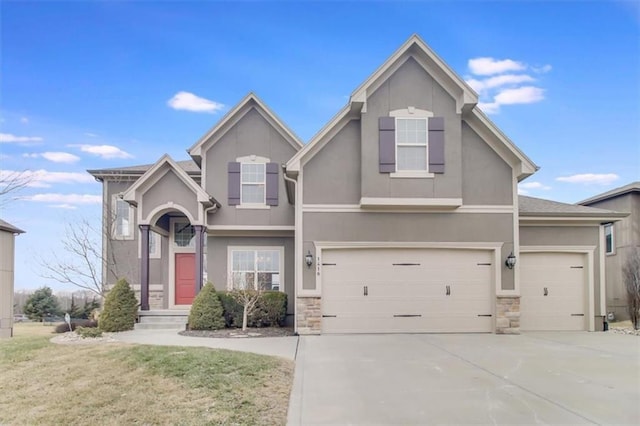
x: 296, y: 243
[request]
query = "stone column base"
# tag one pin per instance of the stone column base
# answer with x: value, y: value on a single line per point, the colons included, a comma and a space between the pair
x: 309, y: 315
x: 508, y: 315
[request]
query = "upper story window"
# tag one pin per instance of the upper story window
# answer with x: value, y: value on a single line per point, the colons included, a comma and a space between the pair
x: 122, y: 219
x: 608, y: 237
x: 253, y: 182
x: 411, y: 144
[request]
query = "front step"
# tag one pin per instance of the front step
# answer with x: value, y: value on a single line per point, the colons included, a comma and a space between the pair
x: 162, y: 320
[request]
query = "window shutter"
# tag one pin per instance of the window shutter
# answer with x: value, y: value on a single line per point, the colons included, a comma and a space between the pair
x: 436, y: 145
x: 234, y: 184
x: 272, y: 170
x: 387, y: 144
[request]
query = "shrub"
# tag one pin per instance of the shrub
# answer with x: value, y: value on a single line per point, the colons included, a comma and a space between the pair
x: 85, y: 332
x: 206, y: 311
x: 271, y: 310
x: 120, y: 308
x: 64, y: 327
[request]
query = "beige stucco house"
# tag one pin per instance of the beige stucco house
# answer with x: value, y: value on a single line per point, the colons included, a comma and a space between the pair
x: 622, y: 239
x: 8, y: 233
x: 400, y: 215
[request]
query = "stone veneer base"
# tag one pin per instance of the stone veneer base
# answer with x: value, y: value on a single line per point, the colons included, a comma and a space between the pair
x: 508, y: 315
x: 308, y: 315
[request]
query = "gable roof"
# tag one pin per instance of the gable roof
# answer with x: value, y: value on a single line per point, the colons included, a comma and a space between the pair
x: 130, y: 194
x: 531, y: 206
x: 6, y: 226
x: 251, y: 101
x: 466, y: 100
x: 189, y: 166
x: 626, y: 189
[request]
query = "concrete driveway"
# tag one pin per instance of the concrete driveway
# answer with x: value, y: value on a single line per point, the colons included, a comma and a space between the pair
x: 557, y: 378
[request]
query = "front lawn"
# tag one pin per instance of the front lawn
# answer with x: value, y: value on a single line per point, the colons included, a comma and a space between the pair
x: 114, y: 383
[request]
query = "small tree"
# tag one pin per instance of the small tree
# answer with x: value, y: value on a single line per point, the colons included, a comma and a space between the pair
x: 206, y: 311
x: 631, y: 277
x: 41, y: 303
x: 245, y: 296
x: 120, y: 308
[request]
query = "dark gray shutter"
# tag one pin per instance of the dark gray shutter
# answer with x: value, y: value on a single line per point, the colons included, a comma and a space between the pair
x: 272, y: 184
x: 234, y: 184
x: 436, y: 145
x: 387, y: 144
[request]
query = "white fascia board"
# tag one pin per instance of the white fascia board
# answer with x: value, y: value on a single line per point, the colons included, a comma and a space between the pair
x: 393, y: 203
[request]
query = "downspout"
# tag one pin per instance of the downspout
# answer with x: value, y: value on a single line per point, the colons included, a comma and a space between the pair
x: 296, y: 242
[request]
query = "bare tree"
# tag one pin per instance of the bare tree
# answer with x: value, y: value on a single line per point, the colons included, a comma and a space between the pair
x: 631, y: 276
x: 247, y: 295
x: 13, y: 182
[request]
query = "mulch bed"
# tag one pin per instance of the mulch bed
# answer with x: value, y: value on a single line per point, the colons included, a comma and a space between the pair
x: 238, y: 333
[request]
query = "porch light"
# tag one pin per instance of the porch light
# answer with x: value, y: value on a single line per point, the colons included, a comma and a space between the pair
x: 511, y: 261
x: 308, y: 259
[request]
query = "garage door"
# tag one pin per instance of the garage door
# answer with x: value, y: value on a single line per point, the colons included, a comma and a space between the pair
x: 552, y: 290
x: 406, y: 290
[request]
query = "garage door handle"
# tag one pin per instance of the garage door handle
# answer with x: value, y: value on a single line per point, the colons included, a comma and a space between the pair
x: 448, y: 290
x: 546, y: 292
x: 365, y: 290
x: 577, y: 315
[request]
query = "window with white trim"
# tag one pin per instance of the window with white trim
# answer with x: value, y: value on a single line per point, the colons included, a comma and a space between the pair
x: 122, y: 219
x: 608, y: 238
x: 256, y: 269
x: 184, y: 235
x: 411, y: 144
x: 252, y: 183
x: 155, y: 245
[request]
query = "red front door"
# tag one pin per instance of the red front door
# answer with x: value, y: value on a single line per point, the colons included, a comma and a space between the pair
x: 185, y: 278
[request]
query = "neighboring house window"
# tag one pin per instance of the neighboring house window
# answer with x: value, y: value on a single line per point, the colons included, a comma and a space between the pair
x: 411, y: 144
x: 253, y: 181
x: 184, y: 235
x: 256, y: 269
x: 123, y: 219
x: 608, y: 237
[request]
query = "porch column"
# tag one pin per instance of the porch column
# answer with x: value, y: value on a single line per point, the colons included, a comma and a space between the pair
x: 199, y: 230
x: 144, y: 267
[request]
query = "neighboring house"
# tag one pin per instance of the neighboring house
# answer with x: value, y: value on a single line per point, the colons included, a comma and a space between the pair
x: 622, y: 240
x: 8, y: 233
x: 400, y: 215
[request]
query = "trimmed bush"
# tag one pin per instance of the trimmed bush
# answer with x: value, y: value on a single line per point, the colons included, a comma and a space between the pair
x: 85, y: 332
x: 206, y: 311
x: 64, y: 327
x: 120, y: 308
x: 271, y: 310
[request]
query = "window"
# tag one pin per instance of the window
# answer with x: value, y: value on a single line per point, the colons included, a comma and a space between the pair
x: 252, y: 179
x: 411, y: 144
x: 184, y: 235
x: 155, y: 246
x: 608, y: 237
x: 256, y: 269
x: 123, y: 219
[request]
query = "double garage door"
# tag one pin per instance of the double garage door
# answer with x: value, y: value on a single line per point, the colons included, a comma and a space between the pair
x: 407, y: 290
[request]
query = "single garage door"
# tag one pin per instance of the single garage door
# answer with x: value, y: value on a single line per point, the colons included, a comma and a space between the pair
x: 552, y: 290
x: 406, y: 290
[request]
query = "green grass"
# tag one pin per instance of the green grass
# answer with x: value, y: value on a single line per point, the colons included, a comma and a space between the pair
x: 45, y: 383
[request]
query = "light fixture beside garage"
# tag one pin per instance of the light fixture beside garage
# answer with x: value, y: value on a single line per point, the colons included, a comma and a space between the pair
x: 308, y: 259
x: 511, y: 261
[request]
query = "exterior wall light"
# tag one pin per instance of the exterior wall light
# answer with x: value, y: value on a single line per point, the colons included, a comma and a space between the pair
x: 511, y: 261
x: 308, y: 259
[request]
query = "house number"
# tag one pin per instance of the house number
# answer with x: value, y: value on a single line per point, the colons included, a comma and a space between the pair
x: 318, y: 265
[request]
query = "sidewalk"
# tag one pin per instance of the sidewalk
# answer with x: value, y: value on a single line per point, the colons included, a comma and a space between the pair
x: 284, y: 347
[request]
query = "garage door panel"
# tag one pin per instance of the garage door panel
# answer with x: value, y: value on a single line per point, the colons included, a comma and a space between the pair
x: 406, y: 290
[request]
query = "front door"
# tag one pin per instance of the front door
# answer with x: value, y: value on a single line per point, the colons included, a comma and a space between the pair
x: 185, y: 278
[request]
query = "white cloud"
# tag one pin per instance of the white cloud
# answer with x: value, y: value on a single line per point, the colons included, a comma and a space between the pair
x: 498, y: 81
x: 44, y: 179
x: 105, y: 151
x: 190, y: 102
x: 91, y: 135
x: 590, y: 178
x: 63, y: 206
x: 543, y: 69
x: 24, y: 120
x: 522, y: 191
x: 490, y: 66
x: 10, y: 138
x: 4, y: 156
x: 56, y: 157
x: 489, y: 107
x: 60, y: 199
x: 533, y: 185
x: 520, y: 95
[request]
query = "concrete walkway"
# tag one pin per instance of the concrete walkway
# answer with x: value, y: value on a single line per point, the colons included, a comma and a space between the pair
x: 416, y: 379
x: 284, y: 347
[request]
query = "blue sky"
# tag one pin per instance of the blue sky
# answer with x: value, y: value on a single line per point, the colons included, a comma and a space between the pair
x: 104, y: 84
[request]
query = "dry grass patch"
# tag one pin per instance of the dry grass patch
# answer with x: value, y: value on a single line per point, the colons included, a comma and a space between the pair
x: 43, y: 383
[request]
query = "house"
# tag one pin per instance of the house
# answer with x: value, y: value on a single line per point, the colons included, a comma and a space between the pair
x: 8, y: 233
x: 400, y: 215
x: 622, y: 239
